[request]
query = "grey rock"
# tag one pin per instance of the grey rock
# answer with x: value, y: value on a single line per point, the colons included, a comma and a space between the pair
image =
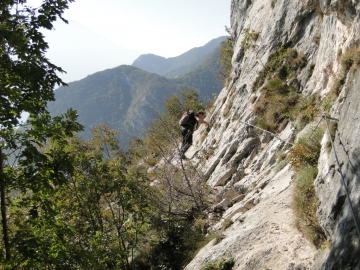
x: 334, y: 212
x: 245, y: 156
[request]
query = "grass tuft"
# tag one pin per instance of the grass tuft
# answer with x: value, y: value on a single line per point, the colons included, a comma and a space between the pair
x: 305, y: 204
x: 227, y: 223
x: 350, y: 61
x: 304, y: 158
x: 281, y: 165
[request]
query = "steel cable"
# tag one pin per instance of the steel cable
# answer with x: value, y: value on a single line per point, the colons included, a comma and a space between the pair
x: 324, y: 116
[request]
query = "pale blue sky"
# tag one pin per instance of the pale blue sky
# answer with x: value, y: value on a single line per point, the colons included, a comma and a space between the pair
x: 104, y: 34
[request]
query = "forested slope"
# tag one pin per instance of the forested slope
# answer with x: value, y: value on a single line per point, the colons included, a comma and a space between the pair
x: 128, y: 99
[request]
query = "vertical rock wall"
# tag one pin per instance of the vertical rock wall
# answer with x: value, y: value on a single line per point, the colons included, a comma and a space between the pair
x: 241, y: 161
x: 335, y: 213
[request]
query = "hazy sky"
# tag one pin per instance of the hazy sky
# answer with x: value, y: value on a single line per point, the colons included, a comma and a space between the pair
x: 104, y: 34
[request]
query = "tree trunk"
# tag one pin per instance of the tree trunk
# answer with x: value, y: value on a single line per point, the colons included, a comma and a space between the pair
x: 3, y: 209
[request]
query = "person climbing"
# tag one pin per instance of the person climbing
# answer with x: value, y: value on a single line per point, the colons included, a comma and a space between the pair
x: 189, y: 122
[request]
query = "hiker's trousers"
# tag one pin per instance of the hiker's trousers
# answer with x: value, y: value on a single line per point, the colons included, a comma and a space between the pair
x: 187, y: 139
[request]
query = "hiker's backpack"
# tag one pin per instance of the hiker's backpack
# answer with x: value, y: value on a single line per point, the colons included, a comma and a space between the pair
x: 188, y: 117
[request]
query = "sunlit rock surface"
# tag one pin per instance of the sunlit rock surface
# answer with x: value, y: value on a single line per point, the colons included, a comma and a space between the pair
x: 241, y: 161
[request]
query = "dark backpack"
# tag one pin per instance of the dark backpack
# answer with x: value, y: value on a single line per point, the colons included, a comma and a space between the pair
x: 188, y: 118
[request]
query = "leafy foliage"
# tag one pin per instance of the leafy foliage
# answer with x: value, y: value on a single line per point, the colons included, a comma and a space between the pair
x: 94, y: 219
x: 163, y: 135
x: 27, y: 79
x: 177, y: 190
x: 175, y: 105
x: 226, y: 53
x: 38, y: 166
x: 25, y: 72
x: 173, y: 248
x: 106, y: 201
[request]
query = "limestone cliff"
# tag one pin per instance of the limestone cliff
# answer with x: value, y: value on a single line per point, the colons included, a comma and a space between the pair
x: 241, y: 158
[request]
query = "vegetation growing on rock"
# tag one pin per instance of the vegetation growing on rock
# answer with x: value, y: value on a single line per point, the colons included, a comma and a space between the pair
x: 224, y: 61
x: 280, y: 100
x: 178, y: 191
x: 304, y: 159
x: 284, y: 63
x: 221, y: 264
x: 249, y: 39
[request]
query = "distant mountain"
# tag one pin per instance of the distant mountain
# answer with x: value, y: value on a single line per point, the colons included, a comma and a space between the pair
x: 176, y: 66
x: 203, y: 77
x: 127, y: 98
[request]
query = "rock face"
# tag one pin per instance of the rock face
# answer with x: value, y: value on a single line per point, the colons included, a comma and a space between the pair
x: 335, y: 213
x: 242, y: 164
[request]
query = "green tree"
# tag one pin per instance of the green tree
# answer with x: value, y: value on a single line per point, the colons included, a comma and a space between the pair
x: 163, y: 135
x: 99, y: 212
x: 90, y: 215
x: 177, y: 192
x: 226, y: 53
x: 33, y: 173
x: 27, y: 79
x: 175, y: 105
x: 97, y: 215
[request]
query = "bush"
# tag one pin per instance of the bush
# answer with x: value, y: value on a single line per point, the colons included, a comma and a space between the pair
x: 175, y: 246
x: 176, y: 196
x: 222, y: 264
x: 305, y: 111
x: 163, y: 135
x: 306, y: 152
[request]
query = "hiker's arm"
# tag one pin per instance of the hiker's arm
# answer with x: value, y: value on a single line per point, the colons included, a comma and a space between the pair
x: 200, y: 120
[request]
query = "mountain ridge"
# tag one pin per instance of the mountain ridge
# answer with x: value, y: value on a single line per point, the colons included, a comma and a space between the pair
x: 173, y: 67
x: 127, y: 98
